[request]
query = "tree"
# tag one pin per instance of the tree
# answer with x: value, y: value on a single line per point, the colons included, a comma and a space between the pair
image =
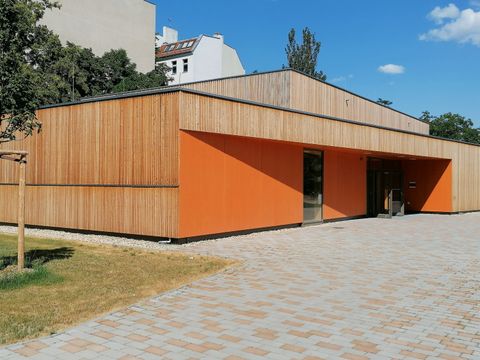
x: 21, y: 52
x: 20, y: 39
x: 303, y: 57
x: 137, y: 81
x: 384, y: 102
x: 117, y: 67
x: 452, y: 126
x: 35, y: 69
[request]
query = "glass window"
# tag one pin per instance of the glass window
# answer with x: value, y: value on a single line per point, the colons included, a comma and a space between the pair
x: 174, y: 67
x: 312, y: 186
x: 185, y: 65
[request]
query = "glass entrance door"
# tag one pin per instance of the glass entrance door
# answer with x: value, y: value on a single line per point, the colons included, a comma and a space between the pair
x: 312, y: 186
x: 384, y: 188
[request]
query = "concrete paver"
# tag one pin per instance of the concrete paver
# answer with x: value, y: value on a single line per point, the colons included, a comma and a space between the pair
x: 406, y: 288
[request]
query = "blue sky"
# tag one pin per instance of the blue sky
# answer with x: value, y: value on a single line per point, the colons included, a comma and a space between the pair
x: 437, y: 50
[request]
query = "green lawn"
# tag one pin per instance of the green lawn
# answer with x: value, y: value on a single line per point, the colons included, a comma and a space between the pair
x: 81, y: 281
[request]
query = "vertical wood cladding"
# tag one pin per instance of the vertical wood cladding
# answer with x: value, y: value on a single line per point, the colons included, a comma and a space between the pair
x: 142, y: 211
x: 293, y: 90
x: 113, y: 165
x: 320, y: 98
x: 130, y: 141
x: 103, y: 166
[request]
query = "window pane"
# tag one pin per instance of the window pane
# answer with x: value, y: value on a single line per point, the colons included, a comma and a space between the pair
x: 312, y: 186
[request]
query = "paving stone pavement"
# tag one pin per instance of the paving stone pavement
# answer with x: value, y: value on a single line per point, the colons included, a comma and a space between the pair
x: 406, y: 288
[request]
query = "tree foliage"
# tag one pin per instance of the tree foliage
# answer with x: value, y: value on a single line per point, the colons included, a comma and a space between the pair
x: 35, y: 69
x: 384, y: 102
x: 19, y: 54
x: 304, y: 57
x: 452, y: 126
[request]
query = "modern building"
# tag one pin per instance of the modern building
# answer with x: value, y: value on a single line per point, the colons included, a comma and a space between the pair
x: 197, y: 59
x: 108, y: 24
x: 237, y: 154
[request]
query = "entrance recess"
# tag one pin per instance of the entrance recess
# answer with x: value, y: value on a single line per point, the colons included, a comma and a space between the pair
x: 312, y: 186
x: 384, y: 188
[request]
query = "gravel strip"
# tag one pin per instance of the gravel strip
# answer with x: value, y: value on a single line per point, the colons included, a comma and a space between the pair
x: 125, y: 241
x: 93, y: 238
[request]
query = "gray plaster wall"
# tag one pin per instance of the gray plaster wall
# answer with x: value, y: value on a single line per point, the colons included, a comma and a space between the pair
x: 108, y: 24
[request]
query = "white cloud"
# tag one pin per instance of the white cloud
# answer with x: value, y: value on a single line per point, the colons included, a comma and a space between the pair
x: 439, y: 14
x: 391, y: 69
x: 464, y: 28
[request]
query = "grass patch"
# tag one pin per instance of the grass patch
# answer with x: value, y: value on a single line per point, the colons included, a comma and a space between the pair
x: 73, y: 282
x: 38, y: 275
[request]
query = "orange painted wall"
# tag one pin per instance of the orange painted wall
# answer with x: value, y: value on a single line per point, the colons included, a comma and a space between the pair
x: 231, y: 183
x: 434, y: 185
x: 345, y: 186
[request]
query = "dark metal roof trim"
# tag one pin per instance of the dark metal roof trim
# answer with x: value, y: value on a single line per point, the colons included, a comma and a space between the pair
x: 328, y: 117
x: 99, y: 185
x: 311, y: 77
x: 266, y: 73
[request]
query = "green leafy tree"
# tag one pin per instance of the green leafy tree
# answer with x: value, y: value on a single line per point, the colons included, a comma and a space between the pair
x: 452, y: 126
x: 75, y: 73
x: 304, y: 57
x: 139, y: 81
x: 384, y: 102
x: 117, y: 68
x: 20, y: 53
x: 35, y: 69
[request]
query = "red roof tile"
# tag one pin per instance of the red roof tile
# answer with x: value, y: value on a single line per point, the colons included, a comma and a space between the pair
x: 177, y: 48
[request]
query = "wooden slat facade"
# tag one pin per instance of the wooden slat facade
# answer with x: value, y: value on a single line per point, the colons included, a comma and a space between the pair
x: 269, y: 88
x: 112, y: 165
x: 141, y: 211
x: 293, y: 90
x: 104, y: 166
x: 130, y: 141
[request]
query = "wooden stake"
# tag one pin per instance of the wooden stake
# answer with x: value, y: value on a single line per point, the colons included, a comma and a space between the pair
x: 21, y: 214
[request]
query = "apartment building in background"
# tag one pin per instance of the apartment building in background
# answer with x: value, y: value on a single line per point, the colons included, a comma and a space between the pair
x: 108, y: 24
x: 197, y: 59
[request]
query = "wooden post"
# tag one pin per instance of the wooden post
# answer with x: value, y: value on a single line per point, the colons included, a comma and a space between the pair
x: 21, y: 214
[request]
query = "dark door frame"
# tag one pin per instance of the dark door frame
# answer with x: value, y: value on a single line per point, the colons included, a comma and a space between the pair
x: 373, y: 210
x: 322, y: 185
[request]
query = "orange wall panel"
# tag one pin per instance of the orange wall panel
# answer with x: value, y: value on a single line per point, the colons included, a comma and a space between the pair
x: 433, y: 190
x: 345, y: 187
x: 232, y: 183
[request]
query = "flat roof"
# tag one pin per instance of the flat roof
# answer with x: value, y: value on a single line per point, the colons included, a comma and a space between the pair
x: 99, y: 97
x: 309, y: 76
x: 174, y: 89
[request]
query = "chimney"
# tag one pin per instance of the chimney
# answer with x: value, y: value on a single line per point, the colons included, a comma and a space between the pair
x: 169, y: 35
x: 219, y: 36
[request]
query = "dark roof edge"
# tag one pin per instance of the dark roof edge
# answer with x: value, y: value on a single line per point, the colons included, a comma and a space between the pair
x: 115, y: 96
x: 265, y: 73
x: 360, y: 96
x: 311, y: 77
x: 167, y: 90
